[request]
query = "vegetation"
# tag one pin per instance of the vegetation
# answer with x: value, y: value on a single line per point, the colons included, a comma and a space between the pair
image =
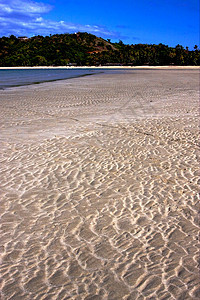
x: 87, y: 49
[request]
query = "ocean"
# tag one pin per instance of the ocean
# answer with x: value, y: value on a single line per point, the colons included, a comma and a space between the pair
x: 19, y: 77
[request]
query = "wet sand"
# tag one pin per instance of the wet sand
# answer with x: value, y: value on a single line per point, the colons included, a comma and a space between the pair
x: 99, y: 187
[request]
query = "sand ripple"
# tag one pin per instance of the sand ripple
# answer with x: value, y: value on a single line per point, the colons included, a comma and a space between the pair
x: 109, y: 214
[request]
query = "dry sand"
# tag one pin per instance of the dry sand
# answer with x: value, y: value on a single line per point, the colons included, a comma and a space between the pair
x: 171, y: 67
x: 99, y: 187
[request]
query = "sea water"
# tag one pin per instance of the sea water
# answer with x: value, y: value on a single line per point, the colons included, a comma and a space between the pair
x: 19, y: 77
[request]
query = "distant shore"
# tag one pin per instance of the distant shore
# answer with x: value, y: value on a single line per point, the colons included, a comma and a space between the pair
x: 103, y: 67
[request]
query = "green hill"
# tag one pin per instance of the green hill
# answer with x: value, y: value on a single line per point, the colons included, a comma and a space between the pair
x: 84, y: 49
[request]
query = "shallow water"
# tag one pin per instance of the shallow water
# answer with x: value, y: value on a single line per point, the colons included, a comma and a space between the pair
x: 12, y: 78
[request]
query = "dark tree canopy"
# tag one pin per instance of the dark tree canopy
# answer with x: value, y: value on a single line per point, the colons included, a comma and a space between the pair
x: 84, y: 49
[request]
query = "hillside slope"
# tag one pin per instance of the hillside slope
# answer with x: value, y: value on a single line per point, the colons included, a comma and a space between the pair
x: 87, y: 49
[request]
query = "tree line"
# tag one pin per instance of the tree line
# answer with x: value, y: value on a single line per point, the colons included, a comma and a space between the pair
x: 84, y: 49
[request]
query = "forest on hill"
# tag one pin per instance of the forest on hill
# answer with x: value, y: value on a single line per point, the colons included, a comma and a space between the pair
x: 84, y: 49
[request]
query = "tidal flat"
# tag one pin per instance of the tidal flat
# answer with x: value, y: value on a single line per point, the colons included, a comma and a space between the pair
x: 99, y: 187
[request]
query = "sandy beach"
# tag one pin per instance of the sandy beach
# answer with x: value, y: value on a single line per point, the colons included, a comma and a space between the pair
x: 146, y: 67
x: 99, y: 187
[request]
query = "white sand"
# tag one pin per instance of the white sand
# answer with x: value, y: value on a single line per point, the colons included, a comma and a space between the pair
x: 99, y: 187
x: 107, y: 67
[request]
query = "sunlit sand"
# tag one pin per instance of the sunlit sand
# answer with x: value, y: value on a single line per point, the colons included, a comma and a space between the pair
x: 99, y: 187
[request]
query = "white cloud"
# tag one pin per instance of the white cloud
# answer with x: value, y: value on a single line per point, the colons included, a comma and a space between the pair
x: 40, y: 19
x: 22, y: 7
x: 5, y: 8
x: 24, y: 17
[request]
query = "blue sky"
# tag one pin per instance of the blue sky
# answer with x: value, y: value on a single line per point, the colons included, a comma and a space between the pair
x: 169, y: 22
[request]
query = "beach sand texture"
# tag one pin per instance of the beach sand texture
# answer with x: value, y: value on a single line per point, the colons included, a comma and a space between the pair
x: 99, y: 187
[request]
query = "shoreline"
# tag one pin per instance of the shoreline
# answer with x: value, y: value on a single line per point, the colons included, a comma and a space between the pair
x: 40, y: 82
x: 105, y: 67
